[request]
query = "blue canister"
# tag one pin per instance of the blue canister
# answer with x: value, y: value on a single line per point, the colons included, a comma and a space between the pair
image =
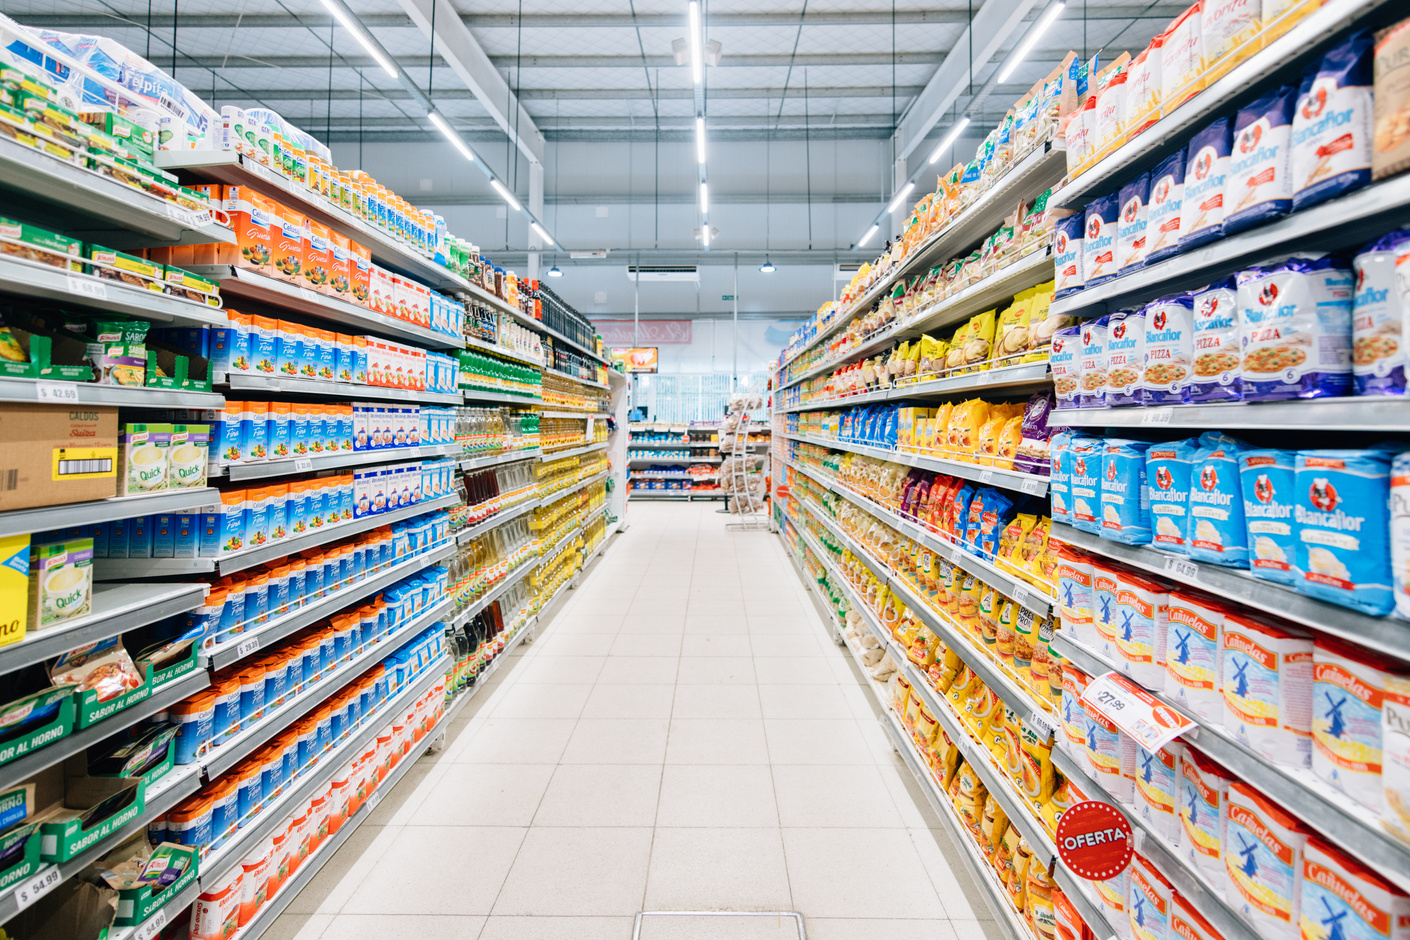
x: 251, y: 694
x: 225, y: 721
x: 195, y: 722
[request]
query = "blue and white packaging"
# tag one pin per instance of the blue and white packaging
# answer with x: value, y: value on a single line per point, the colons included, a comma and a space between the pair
x: 1266, y: 478
x: 1131, y: 241
x: 1218, y: 532
x: 1067, y: 255
x: 1099, y: 247
x: 1343, y: 539
x: 1202, y: 211
x: 1168, y: 481
x: 1378, y: 318
x: 1333, y: 124
x: 1084, y: 483
x: 1217, y: 372
x: 1259, y: 187
x: 1167, y: 195
x: 1065, y: 362
x: 1092, y: 388
x: 1296, y: 329
x: 1060, y: 475
x: 1125, y: 501
x: 1125, y: 357
x: 1169, y: 350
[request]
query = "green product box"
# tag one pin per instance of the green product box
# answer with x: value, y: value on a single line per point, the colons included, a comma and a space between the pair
x: 138, y: 140
x: 51, y: 712
x: 93, y: 809
x: 28, y: 861
x: 36, y: 244
x: 135, y: 905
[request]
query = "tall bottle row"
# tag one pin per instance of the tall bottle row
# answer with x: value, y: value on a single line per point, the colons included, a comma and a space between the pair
x: 1119, y: 447
x: 333, y: 466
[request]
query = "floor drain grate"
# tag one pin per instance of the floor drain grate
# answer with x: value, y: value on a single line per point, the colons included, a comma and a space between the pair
x: 718, y: 925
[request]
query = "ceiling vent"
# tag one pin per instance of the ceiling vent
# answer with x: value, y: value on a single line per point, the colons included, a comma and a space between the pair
x: 843, y: 271
x: 664, y: 272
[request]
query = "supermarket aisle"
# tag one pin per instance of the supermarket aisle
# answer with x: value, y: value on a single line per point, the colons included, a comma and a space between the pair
x: 682, y: 736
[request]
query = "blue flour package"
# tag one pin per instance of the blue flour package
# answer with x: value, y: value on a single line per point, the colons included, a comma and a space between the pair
x: 1060, y: 475
x: 1125, y: 357
x: 1259, y: 187
x: 1168, y: 482
x: 1067, y: 255
x: 1163, y: 216
x: 1202, y: 213
x: 1377, y: 318
x: 1332, y: 126
x: 1217, y: 530
x: 1343, y: 551
x: 1218, y: 376
x: 1296, y: 329
x: 1125, y: 502
x: 1099, y: 251
x: 1084, y: 483
x: 1266, y: 478
x: 1131, y: 241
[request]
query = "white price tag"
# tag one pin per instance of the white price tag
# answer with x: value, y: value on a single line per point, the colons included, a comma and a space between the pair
x: 1041, y: 724
x: 307, y: 295
x: 88, y: 287
x: 1135, y: 711
x: 180, y: 216
x: 247, y: 647
x: 38, y: 886
x: 955, y: 554
x: 986, y: 476
x: 56, y: 391
x: 1182, y: 568
x: 1020, y: 594
x: 1157, y: 415
x: 1033, y: 487
x: 151, y: 926
x: 303, y: 464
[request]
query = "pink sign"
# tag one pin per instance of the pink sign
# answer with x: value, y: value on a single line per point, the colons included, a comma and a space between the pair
x: 652, y: 332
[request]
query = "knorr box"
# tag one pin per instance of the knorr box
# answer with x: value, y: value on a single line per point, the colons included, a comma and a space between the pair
x: 61, y: 581
x: 142, y: 451
x: 187, y: 456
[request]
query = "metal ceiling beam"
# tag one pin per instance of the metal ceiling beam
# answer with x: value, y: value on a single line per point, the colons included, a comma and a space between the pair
x: 431, y: 199
x: 414, y: 63
x: 642, y: 133
x: 595, y: 122
x: 587, y: 94
x: 467, y: 59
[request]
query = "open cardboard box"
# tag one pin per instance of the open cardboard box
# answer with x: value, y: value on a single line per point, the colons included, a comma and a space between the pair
x: 91, y: 711
x: 113, y: 801
x: 137, y: 904
x: 60, y: 701
x: 76, y: 909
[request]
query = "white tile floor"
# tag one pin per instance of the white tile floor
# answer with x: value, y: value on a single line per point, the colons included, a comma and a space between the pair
x: 682, y: 735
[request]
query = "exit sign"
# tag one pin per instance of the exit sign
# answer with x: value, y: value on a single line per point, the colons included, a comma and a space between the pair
x: 727, y: 297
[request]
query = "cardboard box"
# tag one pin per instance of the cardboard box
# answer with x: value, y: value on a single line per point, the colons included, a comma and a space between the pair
x: 54, y: 704
x: 56, y: 454
x: 63, y: 834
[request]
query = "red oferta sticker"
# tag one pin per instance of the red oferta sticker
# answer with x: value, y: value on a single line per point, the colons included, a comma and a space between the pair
x: 1094, y: 840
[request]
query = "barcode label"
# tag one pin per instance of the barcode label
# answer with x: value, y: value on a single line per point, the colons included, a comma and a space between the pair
x: 99, y: 465
x: 12, y: 479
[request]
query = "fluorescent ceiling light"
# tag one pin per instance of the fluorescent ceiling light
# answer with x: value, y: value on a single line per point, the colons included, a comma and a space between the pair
x: 360, y: 34
x: 697, y: 63
x: 555, y: 271
x: 700, y: 140
x: 705, y: 235
x: 867, y: 237
x: 896, y: 202
x: 542, y: 234
x: 505, y: 194
x: 767, y: 267
x: 704, y: 198
x: 451, y: 136
x: 1031, y: 40
x: 949, y: 138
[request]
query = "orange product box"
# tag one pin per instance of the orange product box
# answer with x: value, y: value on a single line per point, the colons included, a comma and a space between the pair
x: 318, y: 257
x: 255, y: 219
x: 360, y: 273
x: 340, y: 269
x: 290, y: 244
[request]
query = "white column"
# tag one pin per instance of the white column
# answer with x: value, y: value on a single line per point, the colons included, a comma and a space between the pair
x: 536, y: 207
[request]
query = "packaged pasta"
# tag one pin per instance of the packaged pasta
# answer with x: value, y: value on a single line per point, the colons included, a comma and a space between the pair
x: 1390, y: 148
x: 1331, y: 131
x: 1259, y: 186
x: 1229, y: 28
x: 1182, y: 59
x: 1143, y: 88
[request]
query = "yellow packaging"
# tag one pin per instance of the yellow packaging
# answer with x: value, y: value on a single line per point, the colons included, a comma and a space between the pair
x: 939, y: 439
x: 954, y: 357
x: 1011, y: 328
x: 979, y: 341
x: 14, y: 588
x: 992, y: 829
x: 1037, y: 769
x: 986, y: 446
x: 967, y: 428
x: 1010, y: 438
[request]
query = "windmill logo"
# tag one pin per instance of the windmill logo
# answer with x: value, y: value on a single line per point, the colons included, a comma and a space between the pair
x: 1332, y: 921
x: 1241, y: 679
x: 1192, y: 802
x: 1127, y: 628
x: 1068, y: 599
x: 1336, y: 723
x: 1182, y: 646
x: 1147, y: 766
x: 1092, y: 736
x: 1139, y: 914
x: 1106, y: 609
x: 1248, y: 850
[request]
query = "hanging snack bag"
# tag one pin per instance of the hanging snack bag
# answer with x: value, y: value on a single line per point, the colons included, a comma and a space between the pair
x: 1296, y: 329
x: 1125, y: 357
x: 1132, y: 242
x: 1331, y: 131
x: 1163, y: 215
x: 1259, y: 187
x: 1169, y: 350
x: 1099, y: 248
x: 1216, y: 323
x: 1343, y: 550
x: 1267, y: 686
x: 1202, y: 211
x: 1068, y: 254
x: 1092, y: 393
x: 1348, y: 693
x: 1266, y: 478
x: 1378, y: 318
x: 1390, y: 150
x: 1193, y: 643
x: 1217, y: 530
x: 1125, y: 500
x: 1168, y: 482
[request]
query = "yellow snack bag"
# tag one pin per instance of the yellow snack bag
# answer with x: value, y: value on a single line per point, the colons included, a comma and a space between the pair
x: 1042, y: 324
x: 1038, y: 564
x: 965, y: 437
x: 979, y: 341
x: 954, y: 358
x: 988, y: 615
x: 991, y: 831
x: 1051, y: 811
x: 1003, y: 633
x: 986, y: 448
x: 940, y: 427
x: 1011, y: 328
x: 1010, y: 437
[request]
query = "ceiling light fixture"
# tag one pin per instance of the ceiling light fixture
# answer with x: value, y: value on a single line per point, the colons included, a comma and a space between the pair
x: 700, y: 140
x: 697, y: 62
x: 704, y: 198
x: 767, y: 267
x: 1031, y: 40
x: 867, y: 237
x: 349, y: 23
x: 705, y: 235
x: 542, y: 234
x: 554, y: 272
x: 949, y: 138
x: 451, y: 135
x: 896, y: 202
x: 505, y: 194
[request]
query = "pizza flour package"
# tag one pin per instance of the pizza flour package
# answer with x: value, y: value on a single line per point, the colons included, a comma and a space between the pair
x: 1296, y: 322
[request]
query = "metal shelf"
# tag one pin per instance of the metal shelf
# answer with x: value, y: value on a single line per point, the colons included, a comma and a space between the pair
x: 1032, y: 269
x: 601, y: 546
x: 44, y: 518
x: 1333, y: 814
x: 515, y: 575
x: 45, y: 282
x: 550, y: 498
x: 85, y: 204
x: 1339, y: 223
x: 1387, y: 635
x: 588, y: 449
x: 1032, y: 174
x: 571, y: 414
x: 255, y: 638
x: 503, y: 398
x: 117, y: 608
x: 497, y: 520
x: 118, y: 569
x: 1367, y: 413
x: 163, y: 697
x: 117, y: 396
x: 479, y: 463
x: 359, y: 458
x: 1025, y: 377
x: 473, y: 343
x: 346, y: 391
x: 230, y: 168
x: 151, y: 927
x: 574, y: 378
x: 1279, y: 60
x: 253, y: 737
x: 989, y: 476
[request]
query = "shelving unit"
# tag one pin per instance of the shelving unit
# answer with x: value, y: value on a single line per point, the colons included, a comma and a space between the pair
x: 44, y: 518
x: 480, y: 463
x: 1017, y: 379
x: 989, y: 476
x: 265, y: 469
x: 344, y: 391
